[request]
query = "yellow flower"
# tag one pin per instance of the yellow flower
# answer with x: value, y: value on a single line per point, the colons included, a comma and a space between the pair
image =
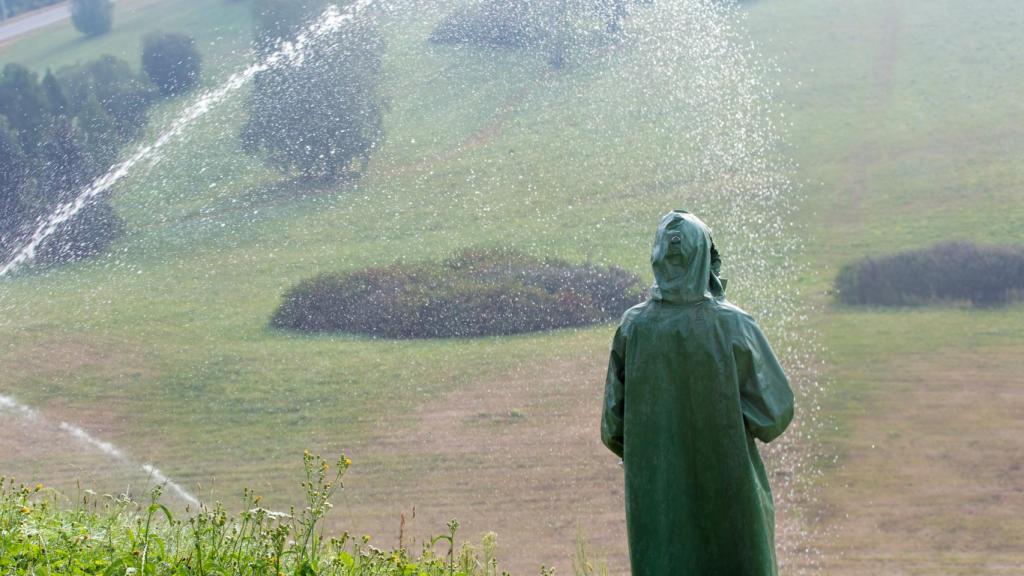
x: 39, y: 487
x: 348, y: 462
x: 25, y: 509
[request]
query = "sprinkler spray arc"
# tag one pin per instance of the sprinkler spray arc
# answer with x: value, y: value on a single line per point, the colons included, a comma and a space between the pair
x: 108, y: 449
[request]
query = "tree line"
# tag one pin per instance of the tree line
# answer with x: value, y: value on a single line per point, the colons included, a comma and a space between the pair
x: 58, y: 133
x: 318, y: 121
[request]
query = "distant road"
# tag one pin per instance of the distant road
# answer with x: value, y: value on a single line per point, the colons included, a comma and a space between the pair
x: 32, y: 21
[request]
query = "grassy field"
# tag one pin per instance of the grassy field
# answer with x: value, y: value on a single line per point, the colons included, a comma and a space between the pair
x: 906, y: 129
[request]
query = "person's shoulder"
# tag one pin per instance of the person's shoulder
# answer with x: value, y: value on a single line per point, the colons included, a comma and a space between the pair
x: 730, y: 312
x: 630, y: 316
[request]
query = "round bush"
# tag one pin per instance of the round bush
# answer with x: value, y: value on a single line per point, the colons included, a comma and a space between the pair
x: 92, y: 17
x: 948, y: 272
x: 477, y: 293
x: 171, y: 61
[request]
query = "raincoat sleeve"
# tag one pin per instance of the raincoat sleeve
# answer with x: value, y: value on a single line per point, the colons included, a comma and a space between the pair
x: 765, y: 396
x: 613, y: 414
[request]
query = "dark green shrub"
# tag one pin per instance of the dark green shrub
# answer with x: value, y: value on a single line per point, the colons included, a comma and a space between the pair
x: 948, y: 272
x: 171, y: 61
x: 92, y: 17
x: 477, y: 293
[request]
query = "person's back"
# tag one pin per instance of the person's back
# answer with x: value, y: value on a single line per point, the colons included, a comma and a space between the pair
x: 691, y: 382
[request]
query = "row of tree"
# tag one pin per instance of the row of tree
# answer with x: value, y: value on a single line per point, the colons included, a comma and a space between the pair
x: 60, y: 132
x: 57, y: 134
x: 319, y: 119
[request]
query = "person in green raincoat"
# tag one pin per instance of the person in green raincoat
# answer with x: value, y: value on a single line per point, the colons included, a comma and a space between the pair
x: 691, y: 383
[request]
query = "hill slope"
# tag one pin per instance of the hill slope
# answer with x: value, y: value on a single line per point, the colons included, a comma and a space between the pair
x: 906, y: 131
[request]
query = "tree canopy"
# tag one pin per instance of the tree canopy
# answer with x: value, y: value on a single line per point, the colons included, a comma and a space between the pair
x: 320, y: 119
x: 92, y: 17
x: 171, y: 61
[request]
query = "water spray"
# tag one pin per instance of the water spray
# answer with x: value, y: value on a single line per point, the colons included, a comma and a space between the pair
x: 115, y: 453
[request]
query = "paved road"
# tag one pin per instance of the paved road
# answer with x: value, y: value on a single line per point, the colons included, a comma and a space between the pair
x: 25, y: 23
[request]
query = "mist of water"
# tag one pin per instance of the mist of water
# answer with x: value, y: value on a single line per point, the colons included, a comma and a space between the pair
x: 735, y: 159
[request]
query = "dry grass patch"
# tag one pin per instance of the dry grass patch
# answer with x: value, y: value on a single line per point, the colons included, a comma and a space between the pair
x: 933, y: 478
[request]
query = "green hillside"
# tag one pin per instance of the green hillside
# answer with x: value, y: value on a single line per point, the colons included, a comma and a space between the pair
x: 905, y: 127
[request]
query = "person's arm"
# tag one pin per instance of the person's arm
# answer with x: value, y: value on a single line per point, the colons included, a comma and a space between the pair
x: 612, y: 418
x: 765, y: 396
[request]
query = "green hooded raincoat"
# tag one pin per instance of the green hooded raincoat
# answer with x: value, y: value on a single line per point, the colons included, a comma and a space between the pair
x: 691, y: 383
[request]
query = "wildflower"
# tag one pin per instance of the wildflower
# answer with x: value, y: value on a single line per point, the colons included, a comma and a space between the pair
x: 25, y: 510
x: 347, y: 461
x: 39, y: 487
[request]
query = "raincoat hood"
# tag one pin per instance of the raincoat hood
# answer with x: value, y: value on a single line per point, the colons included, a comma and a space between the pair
x: 685, y: 261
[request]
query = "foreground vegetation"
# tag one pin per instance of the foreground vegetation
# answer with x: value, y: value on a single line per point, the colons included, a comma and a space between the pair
x: 105, y: 534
